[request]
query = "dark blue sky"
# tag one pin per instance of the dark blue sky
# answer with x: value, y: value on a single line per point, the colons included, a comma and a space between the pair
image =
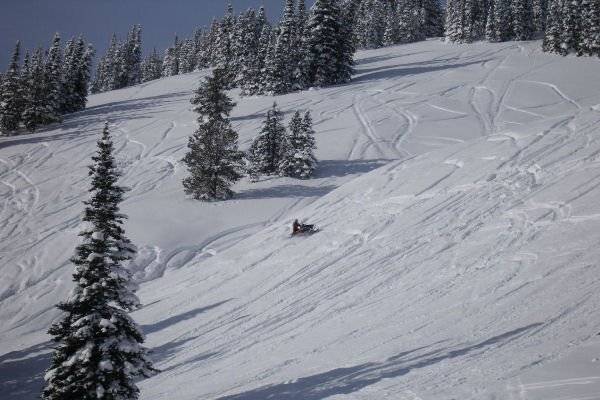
x: 35, y: 21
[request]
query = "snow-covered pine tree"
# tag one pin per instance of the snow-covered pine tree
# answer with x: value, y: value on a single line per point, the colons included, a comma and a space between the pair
x: 213, y: 160
x: 152, y: 67
x: 590, y: 35
x: 503, y: 21
x: 129, y: 59
x: 539, y: 15
x: 187, y: 57
x: 346, y: 47
x: 433, y: 22
x: 170, y: 65
x: 224, y: 47
x: 570, y: 36
x: 298, y: 160
x: 54, y: 81
x: 76, y: 75
x: 34, y: 111
x: 454, y: 27
x: 522, y: 16
x: 490, y: 24
x: 280, y: 70
x: 323, y: 52
x: 11, y: 101
x: 552, y: 42
x: 265, y: 151
x: 410, y: 21
x: 99, y: 352
x: 269, y: 60
x: 82, y: 80
x: 391, y: 34
x: 252, y: 80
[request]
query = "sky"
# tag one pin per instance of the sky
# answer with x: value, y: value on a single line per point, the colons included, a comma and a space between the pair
x: 34, y: 22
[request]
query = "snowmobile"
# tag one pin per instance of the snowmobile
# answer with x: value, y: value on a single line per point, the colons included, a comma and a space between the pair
x: 299, y: 229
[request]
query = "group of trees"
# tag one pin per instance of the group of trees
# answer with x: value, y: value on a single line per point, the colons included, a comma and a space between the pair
x: 568, y: 26
x: 494, y: 20
x: 121, y: 66
x: 387, y: 22
x: 277, y: 151
x: 304, y: 49
x: 47, y: 85
x: 214, y: 161
x: 573, y: 26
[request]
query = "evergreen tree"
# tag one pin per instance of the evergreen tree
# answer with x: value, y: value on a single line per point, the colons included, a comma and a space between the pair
x: 570, y: 35
x: 11, y: 102
x: 503, y: 21
x: 152, y: 67
x: 224, y: 48
x: 98, y: 350
x: 323, y: 51
x: 522, y: 13
x: 34, y: 112
x: 539, y: 15
x: 252, y: 74
x: 170, y: 65
x: 433, y: 21
x: 213, y: 159
x: 455, y: 29
x: 266, y: 150
x: 281, y: 70
x: 54, y: 82
x: 76, y: 75
x: 298, y: 160
x: 490, y: 24
x: 590, y: 36
x: 552, y: 42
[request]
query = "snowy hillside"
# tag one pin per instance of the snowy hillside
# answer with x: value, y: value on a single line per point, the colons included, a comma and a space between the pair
x: 457, y: 196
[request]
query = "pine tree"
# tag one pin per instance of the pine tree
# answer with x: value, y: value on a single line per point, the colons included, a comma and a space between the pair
x: 433, y: 23
x: 152, y: 67
x: 34, y: 112
x: 266, y: 150
x: 76, y: 75
x: 54, y: 81
x: 552, y: 42
x: 522, y: 14
x: 252, y: 80
x: 213, y: 160
x: 503, y: 21
x: 490, y: 24
x: 224, y: 48
x: 170, y: 65
x: 590, y: 36
x: 11, y: 102
x: 539, y: 15
x: 323, y: 52
x: 98, y: 350
x: 570, y: 35
x: 281, y: 68
x: 298, y: 160
x: 454, y: 28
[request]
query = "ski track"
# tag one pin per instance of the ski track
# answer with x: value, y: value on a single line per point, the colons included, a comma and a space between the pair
x: 425, y: 266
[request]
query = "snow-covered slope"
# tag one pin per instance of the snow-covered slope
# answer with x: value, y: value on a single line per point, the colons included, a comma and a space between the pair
x: 458, y: 200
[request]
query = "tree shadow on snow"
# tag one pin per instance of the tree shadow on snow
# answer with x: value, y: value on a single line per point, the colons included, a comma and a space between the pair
x: 285, y: 191
x: 22, y: 372
x: 147, y: 329
x: 351, y: 379
x: 340, y: 168
x: 406, y: 69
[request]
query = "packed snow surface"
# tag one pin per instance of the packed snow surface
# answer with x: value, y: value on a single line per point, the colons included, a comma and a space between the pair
x: 458, y: 197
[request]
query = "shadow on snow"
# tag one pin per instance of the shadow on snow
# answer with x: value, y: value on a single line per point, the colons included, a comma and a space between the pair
x: 351, y: 379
